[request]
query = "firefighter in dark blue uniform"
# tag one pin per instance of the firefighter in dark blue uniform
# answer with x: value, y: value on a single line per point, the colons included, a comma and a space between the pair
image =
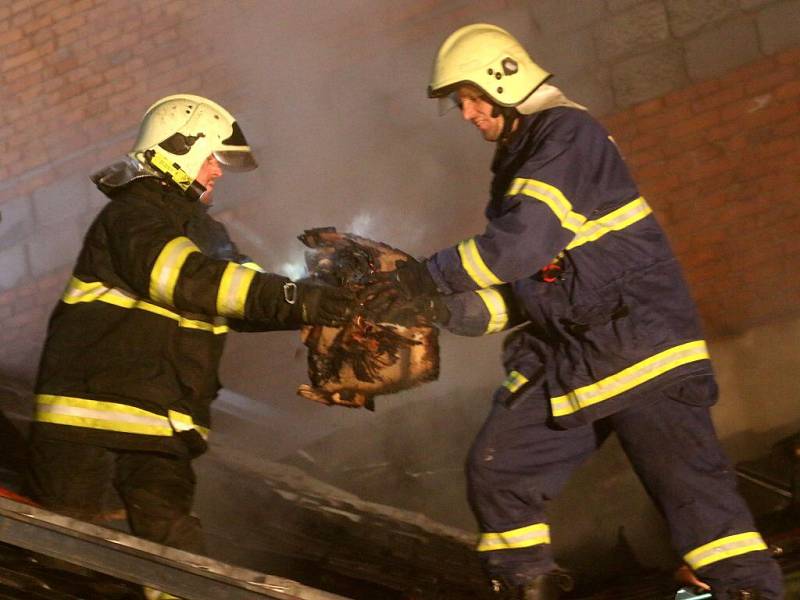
x: 608, y: 336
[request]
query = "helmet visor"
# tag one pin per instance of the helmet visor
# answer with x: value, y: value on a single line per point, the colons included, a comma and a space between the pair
x: 448, y: 102
x: 235, y: 152
x: 237, y: 159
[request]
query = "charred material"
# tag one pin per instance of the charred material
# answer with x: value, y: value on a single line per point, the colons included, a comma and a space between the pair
x: 350, y: 365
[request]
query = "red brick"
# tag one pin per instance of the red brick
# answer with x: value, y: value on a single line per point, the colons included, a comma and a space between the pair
x: 19, y: 59
x: 789, y: 57
x: 694, y: 124
x: 664, y: 119
x: 729, y: 94
x: 790, y: 89
x: 770, y: 80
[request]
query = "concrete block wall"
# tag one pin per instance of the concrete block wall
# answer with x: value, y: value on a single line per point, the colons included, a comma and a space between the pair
x: 75, y: 78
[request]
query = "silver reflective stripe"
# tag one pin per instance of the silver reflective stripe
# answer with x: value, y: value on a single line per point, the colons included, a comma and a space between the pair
x: 552, y: 197
x: 79, y: 291
x: 233, y: 289
x: 498, y: 312
x: 475, y: 266
x: 629, y: 378
x: 184, y: 422
x: 617, y: 220
x: 514, y: 381
x: 523, y: 537
x: 167, y: 268
x: 726, y: 547
x: 97, y: 414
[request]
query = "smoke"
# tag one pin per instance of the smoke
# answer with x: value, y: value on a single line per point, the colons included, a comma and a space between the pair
x: 331, y: 96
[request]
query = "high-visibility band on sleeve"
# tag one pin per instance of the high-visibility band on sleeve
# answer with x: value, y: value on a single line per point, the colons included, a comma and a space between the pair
x: 95, y: 414
x: 524, y: 537
x: 498, y: 312
x: 475, y: 266
x: 629, y: 378
x: 617, y: 220
x: 164, y: 276
x: 233, y: 289
x: 80, y: 291
x: 514, y: 381
x: 552, y: 197
x: 727, y: 547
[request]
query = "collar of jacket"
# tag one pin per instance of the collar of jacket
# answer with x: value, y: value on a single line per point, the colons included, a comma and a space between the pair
x: 505, y: 152
x: 152, y: 188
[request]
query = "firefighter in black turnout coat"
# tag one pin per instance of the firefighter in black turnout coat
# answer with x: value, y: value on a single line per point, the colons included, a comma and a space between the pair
x: 608, y: 336
x: 129, y: 368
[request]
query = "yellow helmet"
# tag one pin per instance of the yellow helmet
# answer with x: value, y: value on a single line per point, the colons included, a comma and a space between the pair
x: 178, y: 133
x: 489, y: 58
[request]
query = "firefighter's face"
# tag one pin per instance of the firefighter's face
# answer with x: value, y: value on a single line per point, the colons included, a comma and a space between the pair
x: 476, y: 109
x: 209, y: 173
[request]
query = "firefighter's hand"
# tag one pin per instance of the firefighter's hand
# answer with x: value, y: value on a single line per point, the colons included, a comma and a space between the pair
x: 410, y: 277
x: 414, y: 279
x: 320, y: 304
x: 386, y: 303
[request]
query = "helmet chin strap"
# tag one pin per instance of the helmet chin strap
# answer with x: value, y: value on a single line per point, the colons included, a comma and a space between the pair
x: 510, y: 115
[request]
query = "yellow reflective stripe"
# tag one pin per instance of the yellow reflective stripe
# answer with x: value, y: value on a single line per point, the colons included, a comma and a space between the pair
x: 514, y: 381
x: 253, y: 265
x: 110, y: 416
x: 617, y: 220
x: 164, y: 276
x: 79, y: 291
x: 474, y: 266
x: 179, y: 176
x: 552, y: 197
x: 523, y: 537
x: 184, y: 422
x: 629, y: 378
x: 723, y: 548
x: 233, y: 289
x: 498, y: 312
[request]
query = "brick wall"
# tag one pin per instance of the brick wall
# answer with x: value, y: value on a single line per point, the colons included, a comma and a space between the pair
x: 716, y: 155
x: 720, y: 163
x: 75, y: 77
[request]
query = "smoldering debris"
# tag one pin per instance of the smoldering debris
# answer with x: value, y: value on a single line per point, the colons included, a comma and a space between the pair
x: 350, y: 365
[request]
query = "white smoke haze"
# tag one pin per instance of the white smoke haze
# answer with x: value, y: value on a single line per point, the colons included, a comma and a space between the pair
x: 334, y: 104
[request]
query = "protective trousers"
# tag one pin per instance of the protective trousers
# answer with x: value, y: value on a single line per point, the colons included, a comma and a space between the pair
x: 518, y: 462
x: 156, y: 489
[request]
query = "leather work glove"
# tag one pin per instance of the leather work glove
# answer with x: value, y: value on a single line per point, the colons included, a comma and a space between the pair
x: 385, y: 303
x: 412, y: 278
x: 319, y: 304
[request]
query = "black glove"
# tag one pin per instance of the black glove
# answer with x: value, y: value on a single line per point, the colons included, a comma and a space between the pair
x: 319, y: 304
x: 385, y: 303
x: 413, y: 278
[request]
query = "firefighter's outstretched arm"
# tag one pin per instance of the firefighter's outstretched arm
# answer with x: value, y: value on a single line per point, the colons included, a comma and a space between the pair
x: 546, y: 208
x: 156, y: 261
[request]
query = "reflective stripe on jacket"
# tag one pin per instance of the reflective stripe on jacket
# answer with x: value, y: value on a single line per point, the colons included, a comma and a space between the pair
x: 618, y: 319
x: 134, y: 345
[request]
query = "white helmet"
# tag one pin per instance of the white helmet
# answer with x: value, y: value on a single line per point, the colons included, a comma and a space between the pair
x: 489, y: 58
x: 178, y: 133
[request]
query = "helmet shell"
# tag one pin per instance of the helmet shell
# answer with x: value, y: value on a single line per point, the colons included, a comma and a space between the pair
x: 179, y: 132
x: 489, y: 58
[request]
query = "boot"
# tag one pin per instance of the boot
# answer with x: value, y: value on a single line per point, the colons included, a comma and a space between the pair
x: 548, y: 586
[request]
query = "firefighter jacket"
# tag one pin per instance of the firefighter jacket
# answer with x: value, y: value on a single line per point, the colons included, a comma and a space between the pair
x: 611, y: 318
x: 133, y: 346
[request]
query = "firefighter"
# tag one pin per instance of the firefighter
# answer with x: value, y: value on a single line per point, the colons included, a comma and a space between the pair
x: 608, y: 336
x: 130, y: 364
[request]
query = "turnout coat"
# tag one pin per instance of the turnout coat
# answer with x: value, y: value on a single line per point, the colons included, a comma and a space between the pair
x: 574, y: 252
x: 134, y: 344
